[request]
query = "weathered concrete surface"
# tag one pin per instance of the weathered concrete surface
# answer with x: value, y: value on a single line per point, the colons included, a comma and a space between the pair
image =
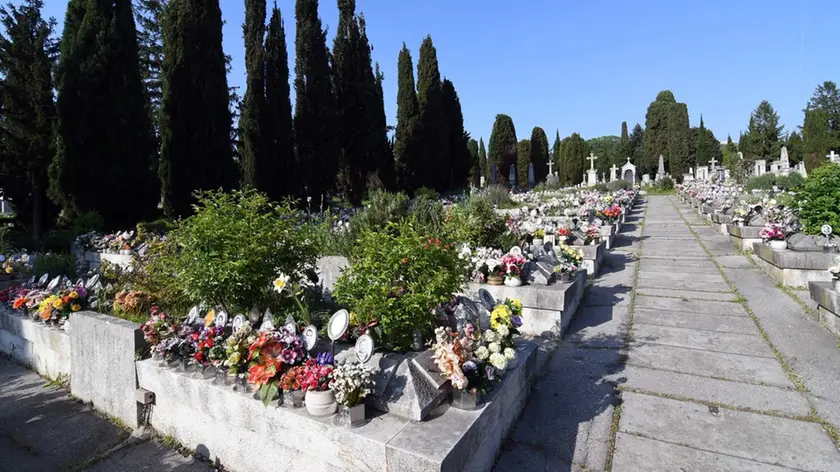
x: 43, y: 348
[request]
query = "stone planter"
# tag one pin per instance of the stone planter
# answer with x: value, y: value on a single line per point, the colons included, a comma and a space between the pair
x: 495, y: 280
x: 320, y: 403
x: 465, y: 399
x: 350, y: 417
x: 778, y: 245
x: 513, y: 281
x: 293, y: 398
x: 565, y: 277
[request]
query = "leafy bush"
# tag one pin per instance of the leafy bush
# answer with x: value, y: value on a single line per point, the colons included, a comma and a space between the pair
x: 665, y: 184
x: 427, y: 214
x: 426, y: 192
x: 790, y: 181
x: 86, y: 222
x: 601, y: 187
x: 380, y: 209
x: 498, y: 195
x: 618, y: 185
x: 397, y: 278
x: 230, y: 250
x: 761, y: 182
x: 55, y: 264
x: 474, y: 221
x: 819, y: 199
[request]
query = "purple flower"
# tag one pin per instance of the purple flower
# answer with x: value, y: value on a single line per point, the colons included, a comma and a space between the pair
x: 325, y: 358
x: 469, y: 365
x: 516, y: 320
x: 288, y: 356
x: 491, y: 372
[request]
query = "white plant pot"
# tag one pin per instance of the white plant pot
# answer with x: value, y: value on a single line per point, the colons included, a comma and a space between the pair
x: 778, y: 245
x: 320, y: 403
x: 513, y: 281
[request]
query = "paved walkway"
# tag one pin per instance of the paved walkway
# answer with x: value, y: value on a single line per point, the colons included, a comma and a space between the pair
x: 43, y: 430
x: 683, y: 357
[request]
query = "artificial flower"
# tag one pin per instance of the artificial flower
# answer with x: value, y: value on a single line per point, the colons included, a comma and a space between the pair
x: 281, y: 282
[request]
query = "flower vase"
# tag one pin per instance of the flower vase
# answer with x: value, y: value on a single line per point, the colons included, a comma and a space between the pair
x: 513, y: 281
x: 221, y: 376
x: 465, y: 399
x: 495, y: 280
x: 293, y: 398
x: 565, y: 276
x: 320, y: 403
x: 537, y: 243
x: 350, y: 417
x: 778, y: 245
x: 241, y: 384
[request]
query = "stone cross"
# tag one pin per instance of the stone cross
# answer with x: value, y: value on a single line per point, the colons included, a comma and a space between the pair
x: 613, y: 173
x: 628, y: 160
x: 550, y: 164
x: 833, y: 156
x: 592, y: 158
x: 713, y: 162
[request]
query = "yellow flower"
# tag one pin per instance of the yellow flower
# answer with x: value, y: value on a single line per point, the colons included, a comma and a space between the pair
x: 501, y: 315
x: 354, y: 319
x: 516, y: 303
x: 57, y: 304
x: 9, y: 269
x: 76, y: 307
x: 74, y: 295
x: 281, y: 282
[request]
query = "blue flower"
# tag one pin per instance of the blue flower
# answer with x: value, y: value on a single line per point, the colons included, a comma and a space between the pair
x: 516, y: 320
x: 325, y: 358
x: 469, y: 365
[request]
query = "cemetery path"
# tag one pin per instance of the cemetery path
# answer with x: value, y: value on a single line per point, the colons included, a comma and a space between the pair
x: 42, y: 429
x: 715, y: 367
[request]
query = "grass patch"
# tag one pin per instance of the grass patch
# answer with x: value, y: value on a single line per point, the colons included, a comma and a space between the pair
x: 62, y: 382
x: 659, y: 192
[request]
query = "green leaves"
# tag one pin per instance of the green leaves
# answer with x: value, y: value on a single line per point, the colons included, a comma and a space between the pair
x: 819, y: 199
x: 268, y: 391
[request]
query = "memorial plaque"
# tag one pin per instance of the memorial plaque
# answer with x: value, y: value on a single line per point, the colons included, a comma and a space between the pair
x: 486, y: 299
x: 54, y: 283
x: 364, y: 348
x: 310, y: 336
x: 238, y: 322
x: 192, y: 316
x: 338, y: 324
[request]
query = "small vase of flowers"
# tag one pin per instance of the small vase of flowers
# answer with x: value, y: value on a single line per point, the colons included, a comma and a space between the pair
x: 351, y: 383
x: 537, y: 242
x: 512, y: 265
x: 774, y: 235
x: 320, y: 400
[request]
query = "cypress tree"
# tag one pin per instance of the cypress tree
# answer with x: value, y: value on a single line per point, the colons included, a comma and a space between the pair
x: 475, y: 163
x: 253, y: 151
x: 278, y: 175
x: 763, y: 137
x: 523, y: 159
x: 574, y: 152
x: 104, y: 132
x: 817, y: 139
x: 28, y: 110
x: 503, y: 147
x: 460, y: 161
x: 679, y: 138
x: 407, y: 138
x: 379, y: 133
x: 556, y: 152
x: 315, y: 118
x: 149, y: 15
x: 432, y: 118
x: 624, y: 149
x: 482, y: 160
x: 703, y: 151
x: 656, y: 131
x: 195, y: 120
x: 637, y: 144
x: 539, y: 153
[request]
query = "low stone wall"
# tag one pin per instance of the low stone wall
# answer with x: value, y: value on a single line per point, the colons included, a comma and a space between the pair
x: 547, y: 310
x: 793, y: 268
x: 743, y: 237
x: 607, y: 234
x: 94, y: 259
x: 43, y: 348
x: 593, y: 256
x: 828, y: 299
x: 215, y: 421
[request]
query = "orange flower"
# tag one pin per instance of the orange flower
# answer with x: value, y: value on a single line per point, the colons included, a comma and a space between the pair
x: 65, y: 299
x: 19, y: 303
x: 46, y: 313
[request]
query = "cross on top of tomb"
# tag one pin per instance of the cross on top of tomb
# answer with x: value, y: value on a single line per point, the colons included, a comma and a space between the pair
x: 592, y: 158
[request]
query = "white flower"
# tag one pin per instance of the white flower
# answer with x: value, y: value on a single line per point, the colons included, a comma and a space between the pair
x: 510, y: 354
x: 489, y: 336
x: 281, y: 282
x: 481, y: 353
x: 498, y: 361
x: 494, y: 347
x: 503, y: 330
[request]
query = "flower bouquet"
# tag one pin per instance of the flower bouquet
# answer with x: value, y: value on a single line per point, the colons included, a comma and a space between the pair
x: 511, y: 269
x: 569, y: 262
x: 236, y: 349
x: 292, y: 384
x: 317, y: 376
x: 268, y: 356
x: 464, y: 361
x: 57, y: 307
x: 563, y: 234
x: 158, y: 328
x: 351, y: 383
x: 774, y: 235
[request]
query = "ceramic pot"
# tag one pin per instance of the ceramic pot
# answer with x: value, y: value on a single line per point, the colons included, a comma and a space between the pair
x: 351, y: 417
x: 320, y: 403
x: 778, y: 245
x: 465, y: 399
x: 565, y: 277
x: 495, y: 280
x: 513, y: 281
x: 293, y: 398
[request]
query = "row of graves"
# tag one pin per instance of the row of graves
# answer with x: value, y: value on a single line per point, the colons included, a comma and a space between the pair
x: 766, y: 224
x: 266, y: 391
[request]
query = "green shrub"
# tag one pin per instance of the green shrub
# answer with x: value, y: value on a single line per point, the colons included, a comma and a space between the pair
x: 619, y: 184
x: 86, y: 222
x: 380, y: 208
x: 498, y: 195
x: 427, y: 214
x: 664, y: 184
x: 55, y: 264
x: 790, y: 181
x: 160, y: 226
x: 600, y: 187
x: 229, y: 252
x: 819, y: 199
x: 397, y: 278
x: 761, y: 182
x: 474, y: 221
x: 426, y: 192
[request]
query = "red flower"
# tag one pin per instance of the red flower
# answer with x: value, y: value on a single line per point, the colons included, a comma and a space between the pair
x: 405, y: 260
x: 261, y: 374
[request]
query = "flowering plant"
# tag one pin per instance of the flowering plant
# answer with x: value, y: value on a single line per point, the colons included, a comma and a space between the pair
x: 563, y: 232
x: 463, y: 359
x: 569, y: 259
x: 539, y: 233
x: 269, y: 355
x: 236, y: 348
x: 772, y: 232
x: 159, y: 327
x: 317, y: 376
x: 210, y: 348
x: 132, y: 301
x: 293, y: 379
x: 512, y: 265
x: 612, y: 213
x: 60, y: 305
x: 351, y: 382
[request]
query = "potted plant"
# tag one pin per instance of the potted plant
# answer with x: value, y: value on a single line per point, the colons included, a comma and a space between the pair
x: 538, y: 238
x: 292, y: 384
x: 563, y: 234
x: 513, y: 264
x: 465, y: 360
x: 835, y: 273
x: 351, y: 383
x: 497, y: 277
x: 774, y: 236
x: 320, y: 400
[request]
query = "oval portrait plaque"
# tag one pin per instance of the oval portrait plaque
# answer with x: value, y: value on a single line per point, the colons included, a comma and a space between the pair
x: 337, y: 325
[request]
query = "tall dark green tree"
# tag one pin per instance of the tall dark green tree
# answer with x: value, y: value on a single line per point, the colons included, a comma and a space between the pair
x: 624, y: 148
x: 637, y: 144
x: 253, y: 153
x: 432, y: 118
x: 679, y: 140
x: 315, y: 117
x: 796, y: 151
x: 380, y: 144
x: 482, y: 160
x: 104, y: 132
x: 656, y: 131
x: 149, y: 16
x: 278, y: 175
x: 574, y: 152
x: 556, y: 152
x: 27, y: 115
x: 456, y: 137
x: 827, y: 98
x: 817, y: 138
x: 195, y: 120
x: 475, y: 168
x: 730, y: 155
x: 606, y: 149
x: 408, y: 150
x: 503, y: 147
x: 523, y: 159
x: 764, y: 133
x: 702, y: 148
x: 539, y: 153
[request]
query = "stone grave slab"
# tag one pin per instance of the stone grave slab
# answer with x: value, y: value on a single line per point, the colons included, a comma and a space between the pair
x: 828, y: 299
x: 743, y: 237
x: 794, y: 268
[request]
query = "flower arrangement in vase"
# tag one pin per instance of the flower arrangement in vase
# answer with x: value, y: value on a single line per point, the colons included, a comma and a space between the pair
x: 539, y: 234
x: 351, y: 382
x: 269, y: 355
x: 563, y: 234
x: 57, y: 307
x: 569, y: 261
x: 774, y: 235
x: 511, y: 266
x: 292, y: 384
x: 457, y: 357
x: 317, y: 376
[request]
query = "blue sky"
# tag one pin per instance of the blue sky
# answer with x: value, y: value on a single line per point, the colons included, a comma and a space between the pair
x: 587, y: 66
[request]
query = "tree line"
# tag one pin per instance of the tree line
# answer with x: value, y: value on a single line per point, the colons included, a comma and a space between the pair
x: 130, y: 111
